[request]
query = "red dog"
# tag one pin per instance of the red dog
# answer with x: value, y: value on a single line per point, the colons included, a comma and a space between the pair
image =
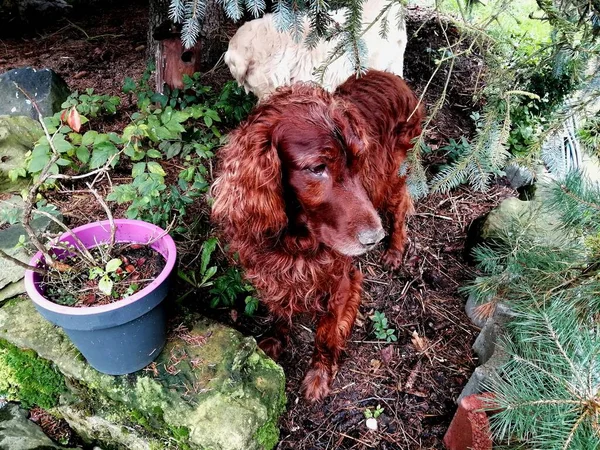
x: 297, y: 195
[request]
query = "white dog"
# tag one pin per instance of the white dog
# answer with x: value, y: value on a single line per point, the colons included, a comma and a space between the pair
x: 261, y: 58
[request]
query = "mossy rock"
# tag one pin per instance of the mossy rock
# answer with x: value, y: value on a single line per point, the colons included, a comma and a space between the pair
x: 18, y: 135
x: 210, y: 388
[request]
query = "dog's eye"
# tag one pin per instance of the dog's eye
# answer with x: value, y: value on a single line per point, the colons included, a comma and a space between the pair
x: 318, y: 170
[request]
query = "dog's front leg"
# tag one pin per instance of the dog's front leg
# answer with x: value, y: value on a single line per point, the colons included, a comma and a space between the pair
x: 333, y: 331
x: 398, y: 210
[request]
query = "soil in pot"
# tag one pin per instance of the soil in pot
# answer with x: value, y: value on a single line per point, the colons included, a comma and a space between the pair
x: 128, y: 269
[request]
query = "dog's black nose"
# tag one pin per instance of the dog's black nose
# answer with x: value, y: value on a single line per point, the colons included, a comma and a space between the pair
x: 371, y: 237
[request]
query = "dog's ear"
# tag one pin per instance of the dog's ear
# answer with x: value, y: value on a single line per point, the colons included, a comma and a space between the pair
x: 351, y: 127
x: 248, y: 194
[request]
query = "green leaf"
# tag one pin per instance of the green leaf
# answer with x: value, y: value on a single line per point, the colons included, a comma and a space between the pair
x: 75, y: 138
x: 63, y: 162
x: 208, y: 275
x: 113, y: 265
x: 95, y: 272
x: 89, y: 137
x: 138, y: 169
x: 207, y: 249
x: 153, y: 153
x: 174, y: 149
x: 60, y: 144
x: 105, y: 285
x: 83, y: 154
x: 39, y: 158
x: 128, y: 85
x: 208, y: 121
x: 101, y: 153
x: 156, y: 168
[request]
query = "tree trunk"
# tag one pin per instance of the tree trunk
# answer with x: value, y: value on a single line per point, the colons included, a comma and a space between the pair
x: 170, y: 58
x: 213, y: 38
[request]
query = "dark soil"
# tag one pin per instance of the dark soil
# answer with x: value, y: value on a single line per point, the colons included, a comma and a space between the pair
x: 77, y: 287
x: 417, y: 379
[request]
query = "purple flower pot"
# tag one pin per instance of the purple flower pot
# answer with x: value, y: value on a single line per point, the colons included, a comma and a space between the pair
x: 124, y: 336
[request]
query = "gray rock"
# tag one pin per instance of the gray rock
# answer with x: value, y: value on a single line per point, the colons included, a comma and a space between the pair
x: 491, y: 356
x: 18, y: 135
x: 19, y: 433
x: 518, y: 176
x: 44, y: 86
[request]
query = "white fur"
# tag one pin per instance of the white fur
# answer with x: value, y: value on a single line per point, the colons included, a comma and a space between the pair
x: 261, y: 58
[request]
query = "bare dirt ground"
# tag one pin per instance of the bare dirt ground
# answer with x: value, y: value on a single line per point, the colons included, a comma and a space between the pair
x: 416, y: 379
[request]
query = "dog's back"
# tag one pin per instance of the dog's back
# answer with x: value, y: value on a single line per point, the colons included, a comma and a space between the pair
x: 387, y: 104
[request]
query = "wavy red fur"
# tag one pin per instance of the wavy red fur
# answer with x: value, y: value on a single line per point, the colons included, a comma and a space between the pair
x: 298, y: 188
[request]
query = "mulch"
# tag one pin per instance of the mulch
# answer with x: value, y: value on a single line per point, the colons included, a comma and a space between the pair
x: 417, y: 379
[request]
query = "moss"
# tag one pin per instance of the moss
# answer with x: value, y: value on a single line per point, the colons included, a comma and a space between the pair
x: 267, y: 436
x: 26, y: 377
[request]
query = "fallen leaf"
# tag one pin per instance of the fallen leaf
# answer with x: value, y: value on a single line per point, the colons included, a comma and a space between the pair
x: 89, y: 299
x: 129, y: 268
x: 74, y: 120
x: 61, y: 267
x: 420, y: 343
x: 234, y: 315
x: 387, y: 354
x: 140, y: 262
x: 375, y: 364
x: 135, y: 246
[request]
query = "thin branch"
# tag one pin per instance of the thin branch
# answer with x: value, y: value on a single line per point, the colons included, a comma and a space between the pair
x: 113, y: 227
x: 85, y: 254
x: 22, y: 264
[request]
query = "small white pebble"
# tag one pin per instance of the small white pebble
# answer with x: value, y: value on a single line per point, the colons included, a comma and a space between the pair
x: 14, y: 109
x: 372, y: 424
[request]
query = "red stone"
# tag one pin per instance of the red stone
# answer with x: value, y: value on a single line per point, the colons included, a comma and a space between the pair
x: 470, y: 428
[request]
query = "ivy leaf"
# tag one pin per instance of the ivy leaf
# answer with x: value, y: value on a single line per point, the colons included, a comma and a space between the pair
x: 113, y: 265
x: 105, y: 285
x: 156, y: 168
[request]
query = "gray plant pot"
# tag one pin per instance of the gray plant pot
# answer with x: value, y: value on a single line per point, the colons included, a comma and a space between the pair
x: 124, y: 336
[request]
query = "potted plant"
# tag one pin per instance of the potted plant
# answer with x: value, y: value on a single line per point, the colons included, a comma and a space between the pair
x: 119, y: 337
x: 104, y: 282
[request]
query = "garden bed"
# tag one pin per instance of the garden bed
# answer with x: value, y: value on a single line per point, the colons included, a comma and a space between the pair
x: 417, y: 379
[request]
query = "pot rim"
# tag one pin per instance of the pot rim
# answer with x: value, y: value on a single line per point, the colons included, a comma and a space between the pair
x: 33, y: 290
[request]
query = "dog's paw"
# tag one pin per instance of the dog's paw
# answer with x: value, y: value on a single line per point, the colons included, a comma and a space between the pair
x: 392, y: 259
x: 316, y: 384
x: 273, y: 347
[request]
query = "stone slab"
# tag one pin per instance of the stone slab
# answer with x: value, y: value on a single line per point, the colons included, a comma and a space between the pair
x: 210, y: 387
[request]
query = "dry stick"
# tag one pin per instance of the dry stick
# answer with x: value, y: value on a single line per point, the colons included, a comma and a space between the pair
x: 84, y: 252
x: 111, y: 220
x: 28, y: 206
x: 22, y: 264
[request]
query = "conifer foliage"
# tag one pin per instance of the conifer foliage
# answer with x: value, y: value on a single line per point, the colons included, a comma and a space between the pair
x: 548, y: 393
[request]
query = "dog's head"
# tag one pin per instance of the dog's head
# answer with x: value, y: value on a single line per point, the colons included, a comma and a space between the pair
x: 294, y: 167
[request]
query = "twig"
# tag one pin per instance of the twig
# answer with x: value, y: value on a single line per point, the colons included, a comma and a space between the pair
x: 28, y: 206
x: 86, y: 255
x: 22, y: 264
x: 113, y: 227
